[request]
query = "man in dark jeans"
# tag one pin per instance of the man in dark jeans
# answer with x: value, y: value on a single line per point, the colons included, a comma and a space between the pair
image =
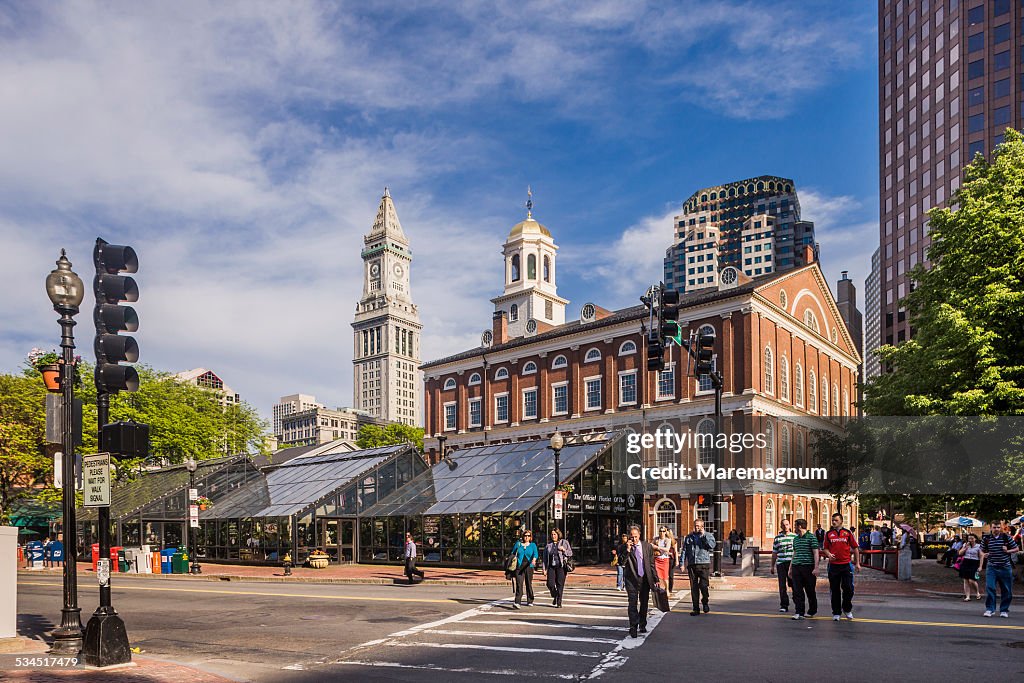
x: 697, y: 548
x: 840, y: 546
x: 782, y: 557
x: 803, y: 570
x: 410, y: 560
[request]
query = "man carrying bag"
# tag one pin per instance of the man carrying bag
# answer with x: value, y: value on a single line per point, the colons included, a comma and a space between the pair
x: 639, y: 578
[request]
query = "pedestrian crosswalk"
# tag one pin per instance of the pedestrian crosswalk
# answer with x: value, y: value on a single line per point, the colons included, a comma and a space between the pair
x: 584, y: 639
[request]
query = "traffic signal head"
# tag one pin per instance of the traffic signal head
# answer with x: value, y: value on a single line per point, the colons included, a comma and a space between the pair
x: 655, y: 351
x: 669, y: 316
x: 705, y: 353
x: 110, y: 318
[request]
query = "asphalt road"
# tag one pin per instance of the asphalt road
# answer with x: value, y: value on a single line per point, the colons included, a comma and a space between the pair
x: 270, y: 632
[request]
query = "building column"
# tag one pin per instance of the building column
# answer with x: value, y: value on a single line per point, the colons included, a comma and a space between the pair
x: 575, y: 397
x: 611, y: 381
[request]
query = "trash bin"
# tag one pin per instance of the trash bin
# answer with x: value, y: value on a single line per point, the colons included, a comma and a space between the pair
x: 123, y: 563
x: 95, y: 555
x: 179, y: 562
x: 157, y: 562
x: 115, y: 557
x: 165, y: 560
x: 142, y: 560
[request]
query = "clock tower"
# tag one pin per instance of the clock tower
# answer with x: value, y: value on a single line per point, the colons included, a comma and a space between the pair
x: 386, y: 353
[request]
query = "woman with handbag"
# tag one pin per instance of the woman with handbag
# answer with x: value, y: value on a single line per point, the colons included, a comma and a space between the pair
x: 970, y: 563
x: 525, y: 557
x: 557, y: 563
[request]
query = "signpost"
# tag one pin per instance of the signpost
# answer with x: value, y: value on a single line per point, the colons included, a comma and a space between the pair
x: 193, y: 516
x: 559, y: 500
x: 96, y: 469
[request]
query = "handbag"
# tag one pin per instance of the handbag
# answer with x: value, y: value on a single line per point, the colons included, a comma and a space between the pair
x: 512, y: 561
x: 660, y: 598
x: 570, y: 565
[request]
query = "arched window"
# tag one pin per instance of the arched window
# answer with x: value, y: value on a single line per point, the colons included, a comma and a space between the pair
x: 784, y: 378
x: 769, y: 519
x: 846, y: 403
x: 530, y: 368
x: 811, y: 320
x: 501, y: 373
x: 627, y: 348
x: 559, y: 362
x: 667, y: 515
x: 666, y: 454
x: 449, y: 384
x: 474, y: 379
x: 798, y: 384
x: 705, y: 446
x: 592, y: 355
x: 515, y: 267
x: 769, y: 371
x: 513, y: 313
x: 812, y: 391
x: 547, y: 269
x: 801, y: 449
x: 531, y: 267
x: 769, y: 444
x: 835, y: 399
x: 785, y: 446
x: 784, y: 513
x: 824, y: 396
x: 800, y: 510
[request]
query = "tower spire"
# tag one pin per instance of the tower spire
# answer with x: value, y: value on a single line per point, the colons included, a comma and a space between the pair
x: 529, y: 202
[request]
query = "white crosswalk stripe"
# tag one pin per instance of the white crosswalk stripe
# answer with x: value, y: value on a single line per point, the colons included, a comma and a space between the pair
x: 588, y: 638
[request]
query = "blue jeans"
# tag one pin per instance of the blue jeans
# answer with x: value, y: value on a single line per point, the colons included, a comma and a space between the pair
x: 618, y: 576
x: 1004, y: 577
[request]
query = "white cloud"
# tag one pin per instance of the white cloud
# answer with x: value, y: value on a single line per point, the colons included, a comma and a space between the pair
x: 847, y: 231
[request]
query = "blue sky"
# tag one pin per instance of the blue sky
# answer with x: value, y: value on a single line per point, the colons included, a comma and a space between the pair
x: 242, y: 149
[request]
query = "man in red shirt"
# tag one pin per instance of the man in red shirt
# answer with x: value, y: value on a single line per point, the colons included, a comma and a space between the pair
x: 839, y: 546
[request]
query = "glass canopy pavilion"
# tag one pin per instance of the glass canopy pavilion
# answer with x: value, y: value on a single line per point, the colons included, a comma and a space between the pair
x: 469, y: 510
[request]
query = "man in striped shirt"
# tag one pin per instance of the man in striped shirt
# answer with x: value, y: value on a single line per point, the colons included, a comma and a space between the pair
x: 782, y: 555
x: 996, y: 551
x: 803, y: 570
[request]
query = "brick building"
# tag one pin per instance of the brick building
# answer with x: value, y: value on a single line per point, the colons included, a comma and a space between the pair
x: 789, y: 366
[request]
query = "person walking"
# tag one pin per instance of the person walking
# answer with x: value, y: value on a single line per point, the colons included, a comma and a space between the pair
x: 673, y: 563
x: 556, y: 553
x: 735, y: 545
x: 782, y: 557
x: 639, y: 577
x: 663, y: 554
x: 840, y: 545
x: 697, y: 548
x: 803, y: 570
x: 877, y: 539
x: 619, y: 563
x: 819, y: 534
x: 526, y: 559
x: 970, y: 564
x: 996, y: 552
x: 410, y: 560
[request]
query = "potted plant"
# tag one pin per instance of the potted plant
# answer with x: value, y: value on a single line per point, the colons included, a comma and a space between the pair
x: 48, y: 365
x: 318, y: 559
x: 203, y: 502
x: 566, y: 489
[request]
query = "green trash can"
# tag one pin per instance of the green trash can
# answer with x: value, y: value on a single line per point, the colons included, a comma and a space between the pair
x: 179, y: 563
x: 123, y: 563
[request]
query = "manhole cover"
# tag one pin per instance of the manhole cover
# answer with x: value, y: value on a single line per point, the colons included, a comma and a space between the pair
x: 1019, y: 644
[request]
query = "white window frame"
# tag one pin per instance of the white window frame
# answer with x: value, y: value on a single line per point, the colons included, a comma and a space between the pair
x: 559, y: 361
x: 798, y: 384
x: 586, y: 393
x: 784, y: 392
x: 769, y: 443
x: 478, y: 402
x: 529, y: 368
x: 536, y: 404
x: 450, y: 384
x: 710, y: 458
x: 666, y: 455
x: 624, y: 351
x: 454, y: 415
x: 812, y: 390
x: 513, y: 313
x: 474, y: 379
x: 769, y: 371
x: 669, y: 367
x: 636, y: 389
x: 501, y: 373
x: 508, y: 408
x: 593, y: 355
x: 554, y: 402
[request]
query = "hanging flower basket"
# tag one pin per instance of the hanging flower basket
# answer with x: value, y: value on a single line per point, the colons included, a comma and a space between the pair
x: 51, y: 377
x: 565, y: 488
x: 48, y: 365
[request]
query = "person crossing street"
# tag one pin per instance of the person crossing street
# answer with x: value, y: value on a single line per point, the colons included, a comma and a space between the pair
x: 782, y: 557
x: 803, y: 570
x: 410, y: 560
x: 840, y: 545
x: 639, y: 576
x: 697, y: 548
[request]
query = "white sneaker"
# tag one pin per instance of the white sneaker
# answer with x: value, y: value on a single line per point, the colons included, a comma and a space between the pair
x: 783, y: 609
x: 797, y: 617
x: 1004, y: 615
x: 849, y: 615
x: 987, y: 613
x: 835, y: 617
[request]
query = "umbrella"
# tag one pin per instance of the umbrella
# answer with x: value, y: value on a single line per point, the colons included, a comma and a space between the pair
x: 909, y: 529
x: 1019, y: 520
x: 964, y: 521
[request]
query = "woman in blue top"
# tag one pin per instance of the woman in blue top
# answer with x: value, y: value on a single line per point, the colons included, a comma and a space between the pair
x: 526, y: 557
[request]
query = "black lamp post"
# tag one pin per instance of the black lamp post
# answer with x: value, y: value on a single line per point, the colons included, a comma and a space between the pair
x: 191, y: 465
x: 66, y: 292
x: 556, y: 444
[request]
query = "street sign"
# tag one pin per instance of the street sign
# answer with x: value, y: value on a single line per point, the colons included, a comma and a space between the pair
x: 193, y: 494
x: 58, y: 470
x: 559, y: 500
x: 193, y: 516
x: 723, y: 511
x: 55, y: 419
x: 96, y: 469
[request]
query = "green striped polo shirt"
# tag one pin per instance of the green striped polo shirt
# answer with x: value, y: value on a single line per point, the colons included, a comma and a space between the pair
x: 804, y: 547
x: 782, y: 546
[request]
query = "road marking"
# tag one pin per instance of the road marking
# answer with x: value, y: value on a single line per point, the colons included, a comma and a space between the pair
x: 265, y: 594
x: 468, y: 670
x: 616, y: 658
x: 526, y: 636
x: 498, y: 648
x: 898, y: 622
x: 528, y: 622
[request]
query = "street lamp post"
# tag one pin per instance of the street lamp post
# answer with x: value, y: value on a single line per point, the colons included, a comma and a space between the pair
x: 191, y: 465
x: 65, y: 290
x: 556, y: 443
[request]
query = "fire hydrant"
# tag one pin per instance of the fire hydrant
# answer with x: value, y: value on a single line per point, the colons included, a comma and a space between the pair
x: 287, y: 564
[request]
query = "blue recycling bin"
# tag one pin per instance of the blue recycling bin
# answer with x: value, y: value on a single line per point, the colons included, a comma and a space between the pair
x: 166, y: 560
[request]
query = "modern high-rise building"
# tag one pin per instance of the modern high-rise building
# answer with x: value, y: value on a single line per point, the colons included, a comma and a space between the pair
x: 752, y: 225
x: 287, y: 405
x: 386, y: 353
x: 949, y: 83
x: 872, y: 318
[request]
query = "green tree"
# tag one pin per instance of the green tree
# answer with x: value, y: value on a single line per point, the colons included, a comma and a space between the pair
x: 23, y: 461
x: 967, y: 310
x: 375, y: 436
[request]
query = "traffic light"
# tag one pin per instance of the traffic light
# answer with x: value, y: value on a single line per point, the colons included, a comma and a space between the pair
x: 110, y: 318
x: 669, y: 316
x: 655, y: 351
x: 705, y: 353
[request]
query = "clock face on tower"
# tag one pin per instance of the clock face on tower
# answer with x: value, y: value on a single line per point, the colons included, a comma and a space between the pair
x: 374, y: 270
x: 398, y: 270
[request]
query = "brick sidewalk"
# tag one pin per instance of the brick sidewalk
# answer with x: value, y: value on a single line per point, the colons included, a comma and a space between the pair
x: 141, y: 670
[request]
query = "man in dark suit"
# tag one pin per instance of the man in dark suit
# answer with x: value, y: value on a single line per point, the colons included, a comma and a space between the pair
x: 639, y: 576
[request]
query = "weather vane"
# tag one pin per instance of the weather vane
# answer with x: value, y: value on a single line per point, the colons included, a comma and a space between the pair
x: 529, y: 202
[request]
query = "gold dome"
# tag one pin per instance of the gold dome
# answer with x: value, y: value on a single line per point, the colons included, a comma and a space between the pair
x: 528, y: 227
